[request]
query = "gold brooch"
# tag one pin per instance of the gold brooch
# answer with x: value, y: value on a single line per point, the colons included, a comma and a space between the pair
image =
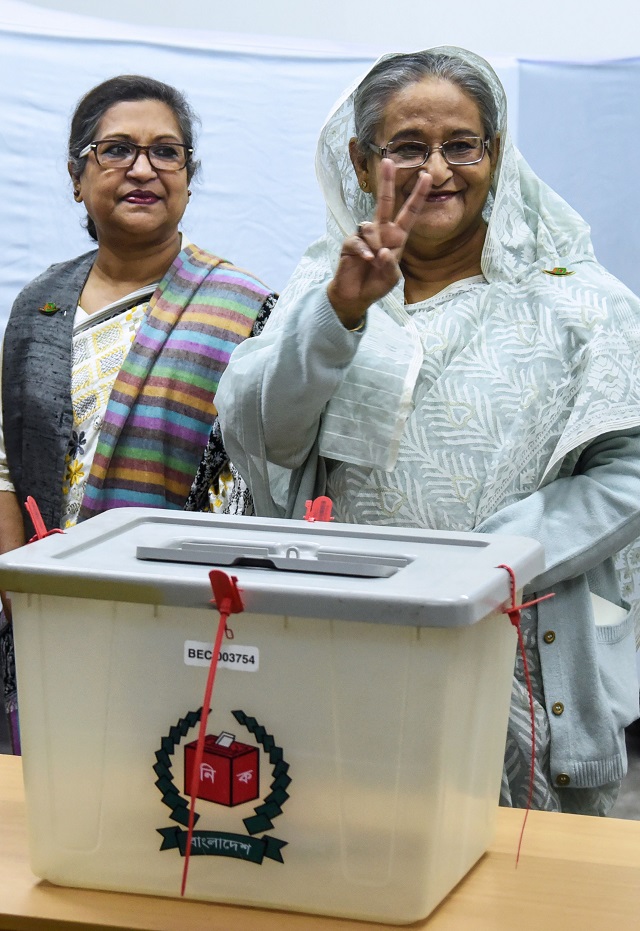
x: 558, y: 272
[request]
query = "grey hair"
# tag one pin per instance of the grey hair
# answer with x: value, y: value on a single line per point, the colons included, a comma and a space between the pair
x: 126, y: 87
x: 390, y: 76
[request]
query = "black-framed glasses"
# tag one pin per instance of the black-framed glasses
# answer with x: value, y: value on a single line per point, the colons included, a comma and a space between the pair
x: 118, y: 153
x: 463, y: 150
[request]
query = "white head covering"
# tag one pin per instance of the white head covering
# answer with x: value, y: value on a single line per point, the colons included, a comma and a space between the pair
x: 554, y: 234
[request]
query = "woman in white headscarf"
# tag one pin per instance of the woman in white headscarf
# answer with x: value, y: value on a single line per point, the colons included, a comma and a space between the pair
x: 450, y: 355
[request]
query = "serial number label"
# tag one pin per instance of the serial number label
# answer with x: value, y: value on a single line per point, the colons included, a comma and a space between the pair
x: 231, y: 656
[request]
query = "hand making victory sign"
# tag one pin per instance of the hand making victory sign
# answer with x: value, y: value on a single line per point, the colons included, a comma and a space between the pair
x: 369, y: 263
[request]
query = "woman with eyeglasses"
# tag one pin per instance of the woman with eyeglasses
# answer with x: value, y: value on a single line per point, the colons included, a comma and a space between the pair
x: 451, y: 356
x: 111, y: 360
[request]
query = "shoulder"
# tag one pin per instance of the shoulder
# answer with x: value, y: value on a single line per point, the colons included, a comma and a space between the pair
x: 221, y: 272
x: 62, y: 275
x: 581, y: 290
x: 593, y: 300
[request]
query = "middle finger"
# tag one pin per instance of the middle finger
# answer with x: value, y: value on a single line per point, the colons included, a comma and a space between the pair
x: 410, y: 210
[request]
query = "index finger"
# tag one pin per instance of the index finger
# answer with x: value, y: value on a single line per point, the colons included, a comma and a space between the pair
x: 386, y: 194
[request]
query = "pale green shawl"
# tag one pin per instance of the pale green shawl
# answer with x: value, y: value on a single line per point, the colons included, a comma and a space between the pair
x: 504, y: 344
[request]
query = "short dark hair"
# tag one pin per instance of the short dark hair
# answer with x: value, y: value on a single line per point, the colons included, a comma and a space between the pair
x: 393, y: 74
x: 95, y: 103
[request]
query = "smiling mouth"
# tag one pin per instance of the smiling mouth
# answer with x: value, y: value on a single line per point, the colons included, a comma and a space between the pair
x: 436, y: 197
x: 141, y: 197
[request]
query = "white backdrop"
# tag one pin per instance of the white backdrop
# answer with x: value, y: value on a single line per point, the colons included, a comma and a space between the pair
x: 546, y: 29
x: 262, y: 101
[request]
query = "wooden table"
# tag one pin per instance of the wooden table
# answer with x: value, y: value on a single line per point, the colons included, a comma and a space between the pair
x: 574, y: 873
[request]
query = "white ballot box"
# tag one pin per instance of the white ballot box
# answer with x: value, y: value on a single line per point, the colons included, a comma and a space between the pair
x: 355, y: 744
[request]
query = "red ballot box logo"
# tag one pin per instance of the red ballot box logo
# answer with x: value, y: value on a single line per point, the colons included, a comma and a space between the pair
x: 229, y: 772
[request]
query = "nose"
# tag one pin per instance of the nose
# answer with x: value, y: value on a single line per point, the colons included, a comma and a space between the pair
x: 141, y: 167
x: 438, y: 167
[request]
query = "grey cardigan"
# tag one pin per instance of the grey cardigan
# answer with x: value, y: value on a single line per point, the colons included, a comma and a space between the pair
x: 581, y: 520
x: 36, y: 379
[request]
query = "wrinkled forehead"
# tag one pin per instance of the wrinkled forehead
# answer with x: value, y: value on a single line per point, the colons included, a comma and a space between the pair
x: 429, y: 103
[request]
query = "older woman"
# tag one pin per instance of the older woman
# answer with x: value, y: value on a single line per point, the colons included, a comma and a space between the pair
x: 451, y: 356
x: 111, y: 360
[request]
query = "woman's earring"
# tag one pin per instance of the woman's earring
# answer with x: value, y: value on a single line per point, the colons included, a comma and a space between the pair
x: 363, y: 185
x: 188, y: 193
x: 76, y: 195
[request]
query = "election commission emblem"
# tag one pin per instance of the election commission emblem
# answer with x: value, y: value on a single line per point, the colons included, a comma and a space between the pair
x: 229, y: 776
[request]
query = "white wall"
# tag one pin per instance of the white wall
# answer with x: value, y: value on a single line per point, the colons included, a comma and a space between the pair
x: 559, y: 29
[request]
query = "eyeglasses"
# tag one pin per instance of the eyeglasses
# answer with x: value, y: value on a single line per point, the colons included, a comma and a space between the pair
x: 465, y: 150
x: 116, y: 153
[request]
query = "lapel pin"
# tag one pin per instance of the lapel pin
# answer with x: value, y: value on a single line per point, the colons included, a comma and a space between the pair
x: 49, y: 308
x: 559, y: 272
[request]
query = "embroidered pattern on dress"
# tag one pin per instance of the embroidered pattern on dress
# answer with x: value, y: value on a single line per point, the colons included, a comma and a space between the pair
x: 98, y: 354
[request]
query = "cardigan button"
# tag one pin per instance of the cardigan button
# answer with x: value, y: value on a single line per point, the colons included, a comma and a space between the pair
x: 549, y: 636
x: 557, y: 708
x: 562, y: 779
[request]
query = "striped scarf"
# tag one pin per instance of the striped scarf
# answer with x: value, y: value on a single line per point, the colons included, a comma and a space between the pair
x: 161, y: 408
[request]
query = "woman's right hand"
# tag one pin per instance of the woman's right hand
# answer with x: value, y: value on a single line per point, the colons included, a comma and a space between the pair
x: 369, y: 263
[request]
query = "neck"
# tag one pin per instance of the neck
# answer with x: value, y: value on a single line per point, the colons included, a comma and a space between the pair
x: 136, y: 264
x: 428, y: 270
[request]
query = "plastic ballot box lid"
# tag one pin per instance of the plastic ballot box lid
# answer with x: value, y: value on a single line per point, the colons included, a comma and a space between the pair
x: 329, y: 570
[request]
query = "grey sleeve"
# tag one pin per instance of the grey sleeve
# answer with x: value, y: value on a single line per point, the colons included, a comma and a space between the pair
x: 277, y: 384
x: 5, y: 478
x: 583, y: 519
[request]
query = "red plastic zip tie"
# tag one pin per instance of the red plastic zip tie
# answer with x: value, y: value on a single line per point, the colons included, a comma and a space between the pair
x: 319, y: 509
x: 36, y: 519
x: 514, y: 617
x: 227, y: 599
